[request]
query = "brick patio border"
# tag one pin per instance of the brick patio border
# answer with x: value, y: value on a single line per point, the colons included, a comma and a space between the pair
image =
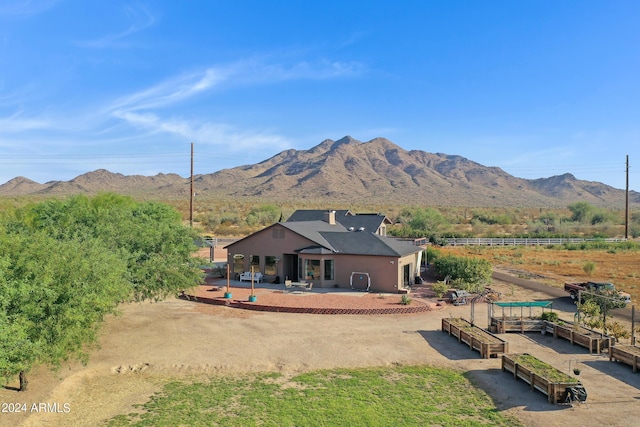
x: 245, y: 305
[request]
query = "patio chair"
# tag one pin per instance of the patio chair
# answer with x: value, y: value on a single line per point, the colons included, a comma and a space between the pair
x: 308, y: 287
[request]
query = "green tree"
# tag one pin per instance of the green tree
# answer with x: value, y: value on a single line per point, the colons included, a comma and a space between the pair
x: 591, y: 314
x: 53, y: 294
x: 581, y: 212
x: 64, y: 265
x: 264, y: 215
x: 423, y: 223
x: 470, y: 274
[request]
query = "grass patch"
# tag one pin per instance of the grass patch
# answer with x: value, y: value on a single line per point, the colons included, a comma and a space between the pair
x: 397, y: 396
x: 543, y: 369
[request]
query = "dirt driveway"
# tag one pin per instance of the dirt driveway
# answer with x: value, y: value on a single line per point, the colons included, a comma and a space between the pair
x: 151, y: 343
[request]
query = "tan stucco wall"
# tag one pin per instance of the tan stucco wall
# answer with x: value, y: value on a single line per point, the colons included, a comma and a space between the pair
x: 386, y: 272
x: 264, y: 244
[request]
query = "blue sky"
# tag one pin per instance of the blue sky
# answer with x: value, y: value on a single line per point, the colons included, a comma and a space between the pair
x: 537, y: 88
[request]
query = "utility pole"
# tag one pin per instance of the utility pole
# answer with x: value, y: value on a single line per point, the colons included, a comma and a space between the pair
x: 626, y: 205
x: 191, y: 191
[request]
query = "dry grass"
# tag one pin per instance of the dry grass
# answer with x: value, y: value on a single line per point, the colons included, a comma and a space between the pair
x: 557, y: 266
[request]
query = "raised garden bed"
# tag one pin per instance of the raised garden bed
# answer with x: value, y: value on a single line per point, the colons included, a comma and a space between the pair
x: 629, y: 354
x: 541, y: 376
x: 476, y: 338
x: 595, y: 342
x: 502, y: 325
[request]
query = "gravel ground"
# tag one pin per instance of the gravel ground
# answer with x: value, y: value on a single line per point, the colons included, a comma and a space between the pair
x: 153, y: 342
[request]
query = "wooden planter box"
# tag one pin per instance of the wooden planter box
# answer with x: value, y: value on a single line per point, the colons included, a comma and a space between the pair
x: 549, y: 380
x: 476, y: 338
x: 592, y: 340
x: 502, y: 325
x: 629, y: 354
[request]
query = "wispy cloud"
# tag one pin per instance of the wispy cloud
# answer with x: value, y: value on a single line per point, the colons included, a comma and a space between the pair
x: 141, y: 18
x: 26, y: 7
x: 15, y: 124
x: 143, y: 109
x: 150, y: 117
x: 169, y: 92
x: 258, y: 71
x: 242, y: 73
x: 206, y: 132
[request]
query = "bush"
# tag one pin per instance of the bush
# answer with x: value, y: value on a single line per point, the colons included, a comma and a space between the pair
x: 550, y: 316
x: 405, y: 299
x: 472, y: 273
x: 440, y: 288
x: 431, y: 254
x: 589, y: 267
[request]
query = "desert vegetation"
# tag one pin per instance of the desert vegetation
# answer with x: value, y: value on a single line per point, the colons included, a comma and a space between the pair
x: 66, y: 264
x: 239, y: 218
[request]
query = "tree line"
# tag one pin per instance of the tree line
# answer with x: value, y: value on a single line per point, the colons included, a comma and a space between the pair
x: 66, y: 264
x: 580, y: 218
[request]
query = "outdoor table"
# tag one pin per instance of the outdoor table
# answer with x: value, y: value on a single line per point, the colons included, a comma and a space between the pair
x: 299, y: 286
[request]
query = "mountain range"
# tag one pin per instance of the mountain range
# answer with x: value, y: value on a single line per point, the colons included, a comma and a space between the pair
x: 377, y: 172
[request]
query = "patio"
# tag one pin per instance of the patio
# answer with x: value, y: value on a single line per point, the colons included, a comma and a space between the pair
x: 272, y: 297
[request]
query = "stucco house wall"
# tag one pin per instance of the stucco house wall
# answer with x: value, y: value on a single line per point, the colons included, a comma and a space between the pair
x: 275, y: 240
x: 303, y: 251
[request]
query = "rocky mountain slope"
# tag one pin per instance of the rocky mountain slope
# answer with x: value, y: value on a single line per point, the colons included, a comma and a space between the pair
x: 376, y: 172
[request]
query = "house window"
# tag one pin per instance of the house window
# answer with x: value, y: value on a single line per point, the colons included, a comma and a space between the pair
x: 270, y: 265
x: 311, y: 269
x: 254, y: 261
x: 278, y: 233
x: 238, y: 263
x: 328, y: 269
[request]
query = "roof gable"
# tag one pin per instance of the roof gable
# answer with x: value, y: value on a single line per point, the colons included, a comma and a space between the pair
x: 340, y: 239
x: 313, y: 230
x: 349, y: 220
x: 367, y: 243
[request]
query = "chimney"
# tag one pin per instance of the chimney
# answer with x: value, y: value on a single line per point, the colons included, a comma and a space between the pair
x: 331, y: 217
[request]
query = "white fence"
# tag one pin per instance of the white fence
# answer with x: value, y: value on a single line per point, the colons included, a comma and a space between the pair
x: 221, y: 241
x: 479, y: 241
x: 465, y: 241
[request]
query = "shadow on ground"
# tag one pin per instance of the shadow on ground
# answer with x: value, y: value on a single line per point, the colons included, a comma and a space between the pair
x: 507, y: 392
x: 448, y: 346
x: 620, y: 371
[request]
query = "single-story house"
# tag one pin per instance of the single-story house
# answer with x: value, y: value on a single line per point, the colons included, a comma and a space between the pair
x: 329, y: 249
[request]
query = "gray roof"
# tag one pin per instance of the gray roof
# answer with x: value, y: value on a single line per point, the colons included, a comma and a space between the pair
x: 312, y: 230
x: 315, y: 215
x: 368, y: 221
x: 367, y: 243
x: 326, y: 238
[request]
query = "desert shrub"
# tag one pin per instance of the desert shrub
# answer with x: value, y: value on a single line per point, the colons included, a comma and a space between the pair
x: 589, y: 268
x: 440, y: 288
x: 405, y: 299
x: 471, y: 273
x: 617, y: 330
x: 431, y: 254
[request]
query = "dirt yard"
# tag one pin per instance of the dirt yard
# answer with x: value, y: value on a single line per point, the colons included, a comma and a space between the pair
x: 152, y: 343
